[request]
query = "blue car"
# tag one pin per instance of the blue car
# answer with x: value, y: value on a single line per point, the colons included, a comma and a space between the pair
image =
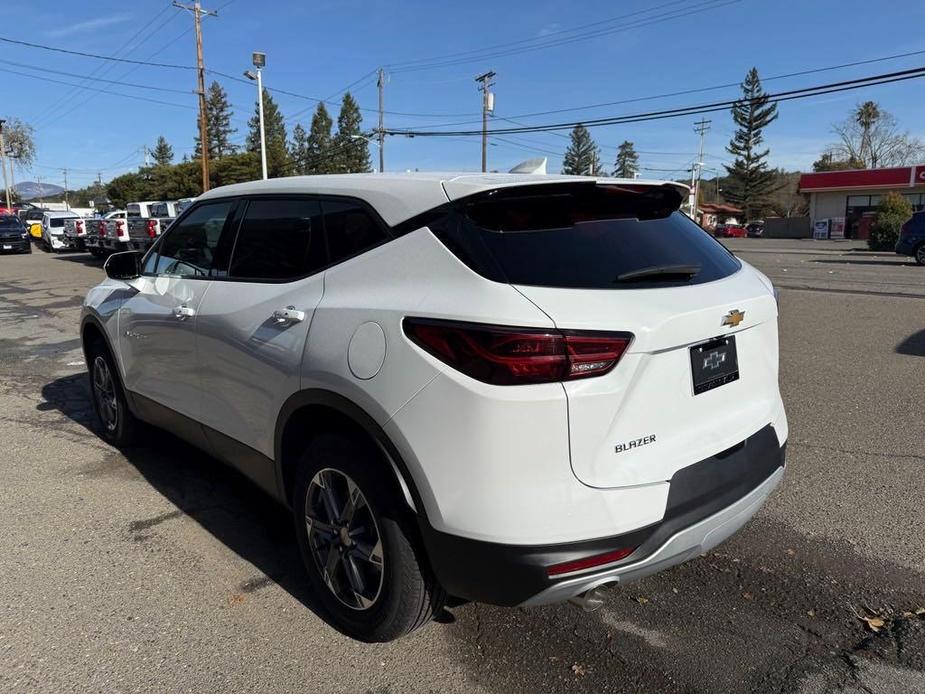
x: 912, y: 238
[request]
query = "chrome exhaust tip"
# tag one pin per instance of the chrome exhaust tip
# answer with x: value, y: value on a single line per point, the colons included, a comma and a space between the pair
x: 590, y: 600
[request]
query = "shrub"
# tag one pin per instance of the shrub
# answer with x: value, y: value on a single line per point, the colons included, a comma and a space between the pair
x: 894, y: 210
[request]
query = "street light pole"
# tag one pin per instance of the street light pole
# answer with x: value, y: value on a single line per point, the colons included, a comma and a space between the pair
x: 260, y: 61
x: 6, y: 183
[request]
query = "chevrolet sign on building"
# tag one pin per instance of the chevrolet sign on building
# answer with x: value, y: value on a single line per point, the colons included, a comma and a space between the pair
x: 854, y: 195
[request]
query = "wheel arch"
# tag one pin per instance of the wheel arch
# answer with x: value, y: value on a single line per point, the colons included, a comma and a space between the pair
x: 309, y: 412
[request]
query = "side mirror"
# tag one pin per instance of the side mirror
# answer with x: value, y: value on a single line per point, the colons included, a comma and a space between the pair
x: 123, y: 266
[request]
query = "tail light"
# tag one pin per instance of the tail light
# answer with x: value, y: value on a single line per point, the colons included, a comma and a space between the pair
x: 101, y: 228
x: 152, y: 228
x: 518, y: 356
x: 79, y: 227
x: 120, y: 230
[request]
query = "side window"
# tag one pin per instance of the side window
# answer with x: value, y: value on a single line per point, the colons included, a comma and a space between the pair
x: 279, y: 239
x: 189, y: 249
x: 350, y: 229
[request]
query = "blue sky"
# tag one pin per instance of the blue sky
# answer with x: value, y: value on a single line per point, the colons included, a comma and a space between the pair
x: 317, y: 48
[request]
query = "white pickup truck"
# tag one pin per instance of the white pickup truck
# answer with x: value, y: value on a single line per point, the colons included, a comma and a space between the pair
x: 53, y: 229
x: 143, y: 231
x: 112, y: 234
x: 80, y: 233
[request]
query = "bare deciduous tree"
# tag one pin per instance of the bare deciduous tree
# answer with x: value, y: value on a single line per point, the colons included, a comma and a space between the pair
x: 19, y: 142
x: 871, y: 136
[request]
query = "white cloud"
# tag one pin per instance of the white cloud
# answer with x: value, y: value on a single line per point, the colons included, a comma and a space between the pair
x: 88, y: 25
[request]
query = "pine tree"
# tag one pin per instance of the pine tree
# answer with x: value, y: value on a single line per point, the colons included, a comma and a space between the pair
x: 219, y: 128
x: 627, y: 164
x: 163, y: 152
x: 319, y: 160
x: 298, y: 150
x: 350, y: 154
x: 750, y: 181
x: 582, y: 158
x: 275, y: 127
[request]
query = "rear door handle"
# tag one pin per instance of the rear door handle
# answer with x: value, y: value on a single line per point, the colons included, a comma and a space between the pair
x: 183, y: 312
x: 288, y: 315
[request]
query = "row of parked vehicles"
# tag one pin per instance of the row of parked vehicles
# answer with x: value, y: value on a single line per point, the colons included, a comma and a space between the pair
x: 134, y: 228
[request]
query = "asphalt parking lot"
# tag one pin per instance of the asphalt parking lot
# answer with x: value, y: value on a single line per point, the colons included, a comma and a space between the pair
x: 160, y: 570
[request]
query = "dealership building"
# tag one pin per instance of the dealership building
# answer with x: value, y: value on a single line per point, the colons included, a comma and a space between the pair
x: 845, y: 202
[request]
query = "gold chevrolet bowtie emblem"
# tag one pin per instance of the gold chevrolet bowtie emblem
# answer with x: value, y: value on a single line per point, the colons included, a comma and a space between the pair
x: 733, y: 318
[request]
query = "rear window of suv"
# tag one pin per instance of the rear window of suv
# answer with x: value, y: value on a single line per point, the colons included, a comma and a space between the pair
x: 584, y: 236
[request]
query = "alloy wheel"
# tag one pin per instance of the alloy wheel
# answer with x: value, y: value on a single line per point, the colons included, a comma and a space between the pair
x: 104, y: 393
x: 920, y: 254
x: 344, y: 539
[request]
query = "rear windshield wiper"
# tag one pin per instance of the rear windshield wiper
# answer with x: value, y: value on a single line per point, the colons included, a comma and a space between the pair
x: 659, y: 272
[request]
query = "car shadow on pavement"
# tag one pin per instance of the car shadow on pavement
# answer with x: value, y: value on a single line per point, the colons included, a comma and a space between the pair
x: 914, y: 345
x: 82, y: 258
x: 221, y: 500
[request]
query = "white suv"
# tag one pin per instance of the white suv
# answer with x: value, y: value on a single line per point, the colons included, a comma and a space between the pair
x: 512, y: 388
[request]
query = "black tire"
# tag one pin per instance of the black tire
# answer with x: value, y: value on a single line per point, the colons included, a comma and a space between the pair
x: 408, y: 596
x: 919, y: 254
x: 118, y: 425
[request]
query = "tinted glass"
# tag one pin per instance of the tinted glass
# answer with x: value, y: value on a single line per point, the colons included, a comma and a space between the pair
x: 584, y: 237
x: 350, y: 229
x: 10, y: 222
x: 56, y: 222
x: 189, y: 249
x: 279, y: 239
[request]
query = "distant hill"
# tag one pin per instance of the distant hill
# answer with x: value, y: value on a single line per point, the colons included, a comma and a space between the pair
x: 30, y: 190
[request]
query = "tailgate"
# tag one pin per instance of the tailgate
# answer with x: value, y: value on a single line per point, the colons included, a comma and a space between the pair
x: 642, y: 422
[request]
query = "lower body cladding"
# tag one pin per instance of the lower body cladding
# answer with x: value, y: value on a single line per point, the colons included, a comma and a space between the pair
x: 707, y: 502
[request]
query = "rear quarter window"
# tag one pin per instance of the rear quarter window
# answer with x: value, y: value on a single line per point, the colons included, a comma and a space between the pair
x: 583, y: 236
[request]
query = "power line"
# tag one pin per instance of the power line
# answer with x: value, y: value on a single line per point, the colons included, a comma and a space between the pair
x: 123, y: 50
x: 97, y: 56
x: 683, y: 92
x: 96, y: 79
x: 790, y: 95
x: 101, y: 91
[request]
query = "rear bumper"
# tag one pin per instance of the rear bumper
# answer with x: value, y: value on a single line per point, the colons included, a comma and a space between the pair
x: 17, y: 245
x: 707, y: 502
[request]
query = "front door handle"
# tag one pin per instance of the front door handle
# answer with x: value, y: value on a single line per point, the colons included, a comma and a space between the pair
x: 183, y: 312
x: 288, y: 315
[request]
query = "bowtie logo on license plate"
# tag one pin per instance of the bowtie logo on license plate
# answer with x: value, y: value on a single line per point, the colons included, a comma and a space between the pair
x: 713, y: 360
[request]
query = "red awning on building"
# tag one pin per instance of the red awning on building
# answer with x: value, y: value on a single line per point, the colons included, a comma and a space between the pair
x: 897, y: 177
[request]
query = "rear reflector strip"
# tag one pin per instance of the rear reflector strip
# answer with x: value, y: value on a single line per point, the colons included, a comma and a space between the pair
x: 589, y: 562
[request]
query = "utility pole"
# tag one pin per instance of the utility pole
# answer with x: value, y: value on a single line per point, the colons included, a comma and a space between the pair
x: 700, y: 127
x: 38, y: 179
x: 67, y: 205
x: 198, y: 13
x: 380, y: 83
x: 144, y: 151
x: 488, y: 105
x: 11, y: 157
x: 6, y: 184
